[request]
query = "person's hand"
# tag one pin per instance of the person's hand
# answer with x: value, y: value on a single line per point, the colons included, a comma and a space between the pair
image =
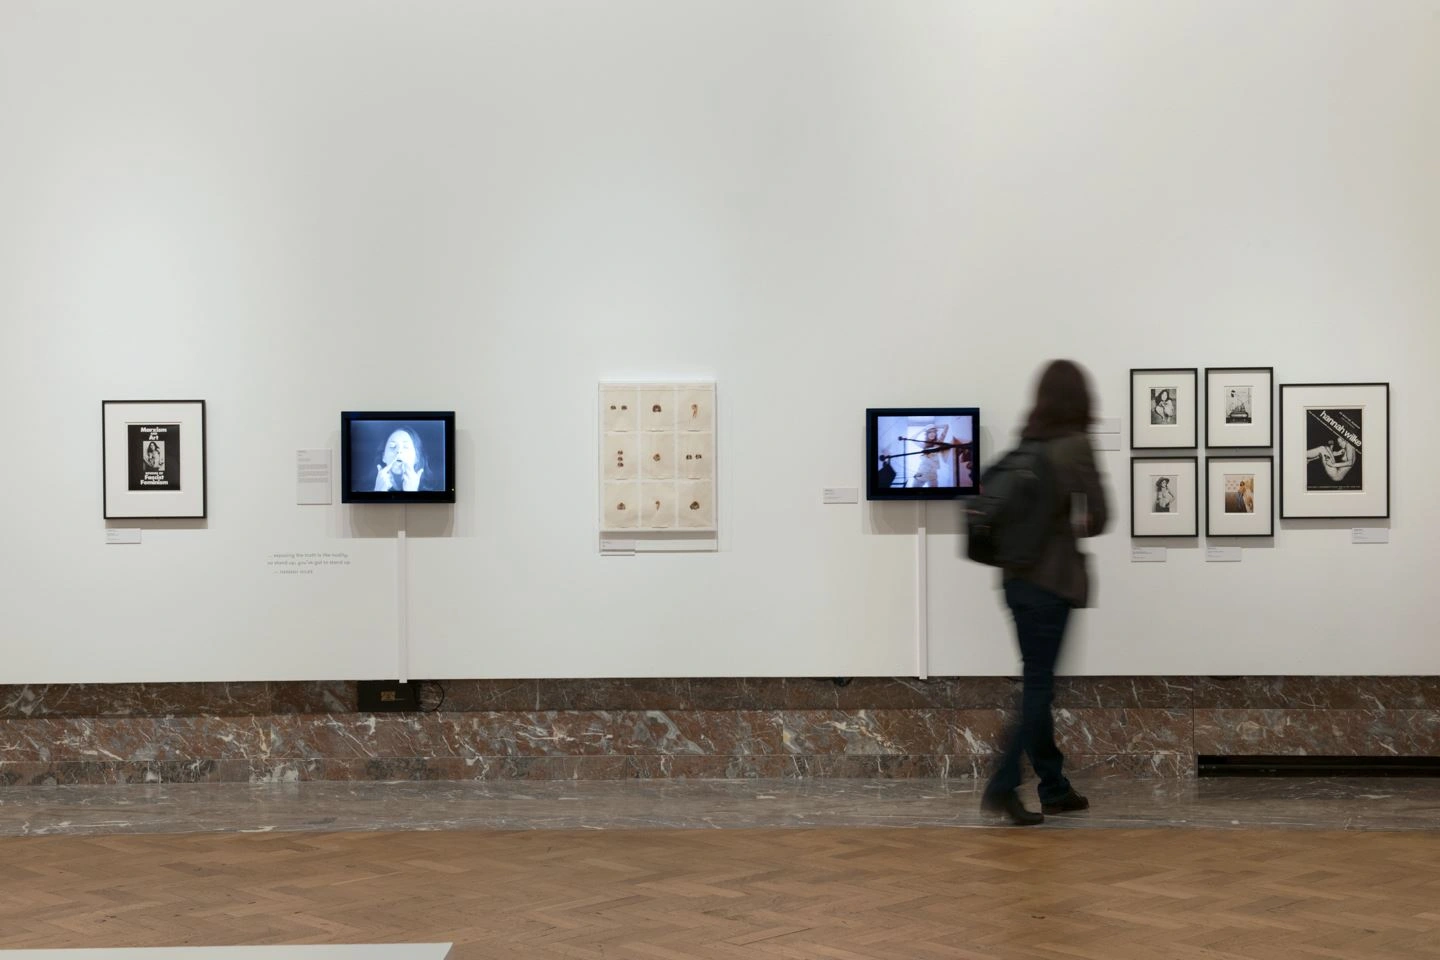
x: 384, y: 479
x: 1336, y: 467
x: 410, y: 477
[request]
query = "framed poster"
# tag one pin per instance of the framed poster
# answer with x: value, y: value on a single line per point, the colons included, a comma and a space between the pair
x: 1239, y: 407
x: 154, y: 458
x: 1164, y: 408
x: 1240, y: 497
x: 1164, y: 501
x: 1335, y: 450
x: 657, y: 457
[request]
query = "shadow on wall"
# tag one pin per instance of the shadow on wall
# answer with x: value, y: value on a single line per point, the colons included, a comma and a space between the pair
x: 159, y: 523
x: 383, y: 521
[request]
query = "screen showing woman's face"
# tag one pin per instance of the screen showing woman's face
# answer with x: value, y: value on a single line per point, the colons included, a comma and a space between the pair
x: 400, y: 447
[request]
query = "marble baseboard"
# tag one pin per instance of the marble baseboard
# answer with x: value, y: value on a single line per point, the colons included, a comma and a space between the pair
x: 1317, y: 693
x: 736, y: 728
x: 727, y: 694
x: 1377, y: 733
x: 472, y: 696
x: 571, y: 734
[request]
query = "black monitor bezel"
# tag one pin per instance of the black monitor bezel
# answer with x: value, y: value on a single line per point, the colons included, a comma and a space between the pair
x: 873, y: 491
x: 447, y: 417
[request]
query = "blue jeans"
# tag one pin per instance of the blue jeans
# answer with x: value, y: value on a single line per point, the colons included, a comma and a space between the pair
x: 1040, y: 620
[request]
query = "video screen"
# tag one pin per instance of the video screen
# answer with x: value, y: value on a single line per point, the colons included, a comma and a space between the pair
x: 398, y: 457
x: 922, y: 454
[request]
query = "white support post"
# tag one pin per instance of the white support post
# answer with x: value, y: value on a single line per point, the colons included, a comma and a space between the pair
x: 922, y: 614
x: 402, y: 597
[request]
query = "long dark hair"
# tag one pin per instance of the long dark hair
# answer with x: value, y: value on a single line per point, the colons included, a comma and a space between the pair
x: 1062, y: 403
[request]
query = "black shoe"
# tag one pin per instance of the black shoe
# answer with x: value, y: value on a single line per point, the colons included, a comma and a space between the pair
x: 1009, y: 805
x: 1070, y: 803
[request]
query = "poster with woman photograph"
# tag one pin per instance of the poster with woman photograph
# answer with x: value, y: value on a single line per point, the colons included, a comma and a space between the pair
x: 1163, y: 497
x: 657, y: 459
x: 1335, y: 450
x: 1240, y: 497
x: 1332, y: 448
x: 1239, y: 407
x: 149, y: 473
x: 1164, y: 411
x: 154, y: 456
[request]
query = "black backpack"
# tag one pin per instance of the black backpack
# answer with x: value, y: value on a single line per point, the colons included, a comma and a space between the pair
x: 1012, y: 519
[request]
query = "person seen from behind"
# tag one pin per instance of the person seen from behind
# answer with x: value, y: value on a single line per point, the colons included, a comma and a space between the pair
x: 1042, y: 596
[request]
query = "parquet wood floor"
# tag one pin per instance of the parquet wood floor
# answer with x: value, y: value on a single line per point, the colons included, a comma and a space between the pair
x: 836, y: 894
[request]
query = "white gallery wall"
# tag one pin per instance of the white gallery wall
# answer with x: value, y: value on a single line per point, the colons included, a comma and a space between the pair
x: 290, y: 209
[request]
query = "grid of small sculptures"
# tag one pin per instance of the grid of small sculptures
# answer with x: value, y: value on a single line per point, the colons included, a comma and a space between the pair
x: 657, y: 456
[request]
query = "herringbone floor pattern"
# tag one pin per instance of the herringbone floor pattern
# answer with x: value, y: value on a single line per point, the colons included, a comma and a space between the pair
x: 657, y: 895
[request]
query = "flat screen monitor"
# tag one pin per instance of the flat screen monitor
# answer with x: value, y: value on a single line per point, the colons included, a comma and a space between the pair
x: 922, y: 453
x: 397, y: 457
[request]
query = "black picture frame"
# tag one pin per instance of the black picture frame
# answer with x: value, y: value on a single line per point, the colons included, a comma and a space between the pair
x: 875, y: 486
x: 1210, y: 530
x: 1269, y: 439
x: 446, y: 418
x: 1139, y: 432
x: 1294, y: 459
x: 1193, y: 462
x: 179, y: 503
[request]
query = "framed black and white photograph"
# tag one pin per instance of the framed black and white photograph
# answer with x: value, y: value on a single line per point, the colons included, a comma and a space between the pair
x: 154, y: 458
x: 1240, y: 496
x: 1164, y: 408
x: 1239, y: 407
x: 1164, y: 498
x: 1335, y: 450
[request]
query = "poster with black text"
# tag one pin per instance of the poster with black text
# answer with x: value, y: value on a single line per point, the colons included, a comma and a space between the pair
x: 1333, y: 448
x: 154, y: 456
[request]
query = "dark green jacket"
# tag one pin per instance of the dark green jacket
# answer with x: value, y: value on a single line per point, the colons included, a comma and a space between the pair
x: 1063, y: 568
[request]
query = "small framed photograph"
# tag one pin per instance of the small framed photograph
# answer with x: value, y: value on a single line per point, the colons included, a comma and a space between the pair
x: 1239, y: 407
x: 154, y: 458
x: 1240, y: 497
x: 1164, y: 499
x: 1164, y: 409
x: 1335, y: 450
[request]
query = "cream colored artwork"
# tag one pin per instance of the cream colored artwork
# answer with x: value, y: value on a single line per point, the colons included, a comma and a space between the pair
x: 657, y: 457
x: 695, y: 506
x: 620, y: 456
x: 621, y: 411
x: 621, y: 506
x: 696, y: 456
x: 695, y: 410
x: 657, y: 505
